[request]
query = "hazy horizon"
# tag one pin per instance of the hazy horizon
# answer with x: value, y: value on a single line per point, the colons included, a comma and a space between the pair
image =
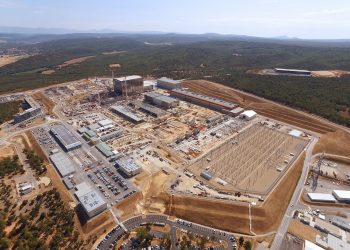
x: 262, y: 18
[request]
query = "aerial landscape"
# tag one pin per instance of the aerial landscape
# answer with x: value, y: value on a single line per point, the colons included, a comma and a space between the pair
x: 155, y: 126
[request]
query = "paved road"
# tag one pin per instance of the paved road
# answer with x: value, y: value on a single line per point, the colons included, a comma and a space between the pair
x: 113, y: 236
x: 282, y: 230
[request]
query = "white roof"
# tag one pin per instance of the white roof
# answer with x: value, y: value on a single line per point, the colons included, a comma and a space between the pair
x: 128, y: 78
x: 343, y: 194
x: 82, y: 189
x: 336, y: 243
x: 321, y: 197
x: 295, y: 132
x: 105, y: 122
x: 311, y: 246
x: 91, y: 201
x: 249, y: 113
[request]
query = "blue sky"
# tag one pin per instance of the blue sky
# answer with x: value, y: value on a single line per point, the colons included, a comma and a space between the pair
x: 267, y: 18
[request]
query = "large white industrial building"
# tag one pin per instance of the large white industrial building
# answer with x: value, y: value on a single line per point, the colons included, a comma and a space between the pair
x: 128, y: 166
x: 342, y: 195
x: 90, y: 200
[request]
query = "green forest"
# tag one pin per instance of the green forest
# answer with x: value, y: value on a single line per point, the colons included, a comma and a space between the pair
x: 8, y: 109
x: 224, y: 61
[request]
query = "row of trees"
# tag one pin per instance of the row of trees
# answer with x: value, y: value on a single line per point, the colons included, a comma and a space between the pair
x: 10, y: 165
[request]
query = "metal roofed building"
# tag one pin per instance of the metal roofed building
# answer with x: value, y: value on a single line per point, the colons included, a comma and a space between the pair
x: 126, y: 113
x: 63, y: 164
x: 203, y: 100
x: 152, y: 110
x: 105, y: 122
x: 311, y: 246
x: 342, y: 223
x: 206, y: 175
x: 236, y: 111
x: 91, y: 201
x: 128, y: 85
x: 248, y: 115
x: 65, y: 137
x: 332, y: 242
x: 328, y: 228
x: 293, y: 71
x: 114, y: 134
x: 31, y: 110
x: 161, y: 100
x: 342, y: 195
x: 320, y: 197
x: 104, y: 149
x: 128, y: 166
x: 167, y: 83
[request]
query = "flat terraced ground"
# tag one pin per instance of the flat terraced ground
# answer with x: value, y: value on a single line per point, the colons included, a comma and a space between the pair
x: 261, y: 106
x: 249, y: 161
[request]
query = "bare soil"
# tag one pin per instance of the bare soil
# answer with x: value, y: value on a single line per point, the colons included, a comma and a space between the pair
x: 75, y: 61
x: 7, y: 151
x: 49, y: 105
x: 261, y: 106
x: 334, y: 143
x: 329, y: 73
x: 305, y: 232
x: 48, y: 72
x: 8, y: 59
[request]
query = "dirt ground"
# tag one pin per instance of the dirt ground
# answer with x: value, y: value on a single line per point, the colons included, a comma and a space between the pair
x: 5, y: 60
x: 48, y: 72
x: 74, y: 61
x: 329, y: 73
x: 261, y: 106
x: 334, y: 143
x: 305, y: 232
x: 49, y: 105
x: 7, y: 151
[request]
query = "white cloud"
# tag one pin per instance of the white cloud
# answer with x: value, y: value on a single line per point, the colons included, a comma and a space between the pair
x: 10, y: 4
x: 327, y: 12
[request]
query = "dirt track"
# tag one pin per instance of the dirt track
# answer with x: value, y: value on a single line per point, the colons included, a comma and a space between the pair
x: 268, y: 109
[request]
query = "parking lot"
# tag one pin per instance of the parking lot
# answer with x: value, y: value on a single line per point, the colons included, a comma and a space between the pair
x: 90, y: 167
x: 112, y: 237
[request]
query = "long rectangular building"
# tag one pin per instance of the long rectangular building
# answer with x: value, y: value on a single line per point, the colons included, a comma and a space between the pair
x: 293, y: 71
x: 203, y: 100
x: 126, y: 113
x: 65, y: 137
x: 161, y: 100
x: 31, y: 110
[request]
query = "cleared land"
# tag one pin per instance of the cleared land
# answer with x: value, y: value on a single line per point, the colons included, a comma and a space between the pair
x: 49, y: 105
x: 305, y: 232
x: 249, y: 161
x: 263, y: 107
x: 5, y: 60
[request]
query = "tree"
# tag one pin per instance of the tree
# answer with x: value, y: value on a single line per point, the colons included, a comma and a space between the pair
x: 247, y: 245
x: 241, y: 241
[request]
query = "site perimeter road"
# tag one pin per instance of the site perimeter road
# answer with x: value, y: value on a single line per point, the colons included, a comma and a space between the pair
x: 282, y: 230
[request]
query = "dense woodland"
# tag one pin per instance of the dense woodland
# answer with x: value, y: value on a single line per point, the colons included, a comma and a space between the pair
x: 222, y: 59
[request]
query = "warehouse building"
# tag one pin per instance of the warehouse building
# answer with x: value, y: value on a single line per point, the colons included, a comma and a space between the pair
x: 167, y: 83
x: 104, y: 149
x: 248, y: 115
x: 128, y: 166
x: 111, y: 135
x: 342, y: 195
x: 300, y: 72
x: 152, y: 110
x: 128, y: 85
x: 236, y: 111
x: 161, y: 100
x: 331, y: 242
x: 341, y: 223
x: 65, y: 137
x: 31, y: 110
x: 320, y: 197
x: 126, y: 113
x: 90, y: 200
x: 206, y: 175
x: 203, y: 100
x: 63, y: 164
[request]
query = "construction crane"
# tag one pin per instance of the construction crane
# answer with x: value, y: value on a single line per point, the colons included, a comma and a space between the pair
x: 316, y: 172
